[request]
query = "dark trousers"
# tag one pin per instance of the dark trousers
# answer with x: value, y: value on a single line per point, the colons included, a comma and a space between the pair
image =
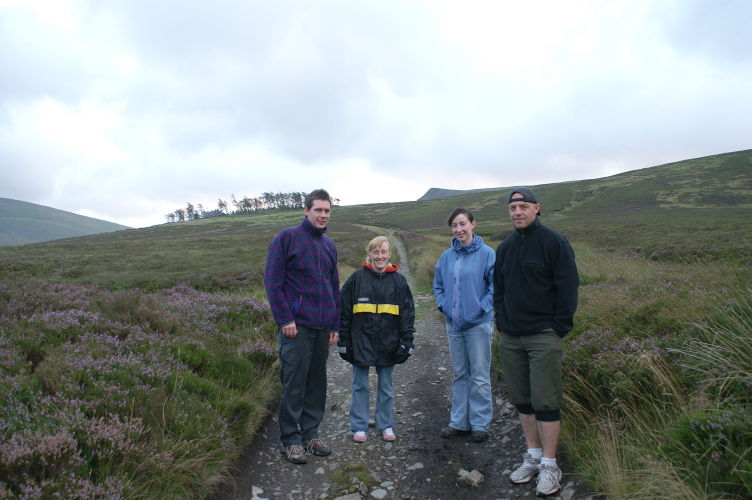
x: 303, y: 375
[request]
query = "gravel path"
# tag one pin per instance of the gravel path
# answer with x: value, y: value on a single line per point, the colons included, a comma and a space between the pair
x: 419, y: 464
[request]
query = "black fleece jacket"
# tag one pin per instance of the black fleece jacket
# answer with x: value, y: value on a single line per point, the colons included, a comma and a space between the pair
x: 535, y: 282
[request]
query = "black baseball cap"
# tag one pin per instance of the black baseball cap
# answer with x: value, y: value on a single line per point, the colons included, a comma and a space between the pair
x: 527, y: 195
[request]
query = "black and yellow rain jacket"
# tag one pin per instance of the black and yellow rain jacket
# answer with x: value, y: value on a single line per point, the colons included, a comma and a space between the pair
x: 377, y: 316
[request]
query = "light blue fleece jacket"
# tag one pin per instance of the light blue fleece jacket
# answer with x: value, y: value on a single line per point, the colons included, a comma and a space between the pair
x: 463, y: 283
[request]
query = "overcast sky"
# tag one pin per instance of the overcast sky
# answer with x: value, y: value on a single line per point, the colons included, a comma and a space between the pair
x: 126, y: 110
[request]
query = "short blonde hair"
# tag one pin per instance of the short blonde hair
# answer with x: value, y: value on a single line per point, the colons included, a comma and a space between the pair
x: 376, y: 243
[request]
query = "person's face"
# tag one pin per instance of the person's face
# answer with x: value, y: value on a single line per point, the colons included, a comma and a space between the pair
x: 462, y: 229
x: 523, y: 213
x: 318, y: 214
x: 379, y: 257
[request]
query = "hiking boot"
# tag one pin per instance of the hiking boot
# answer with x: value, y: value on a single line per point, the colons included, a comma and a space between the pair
x: 549, y: 476
x: 479, y: 436
x: 448, y: 432
x: 388, y: 434
x: 317, y: 447
x: 360, y: 437
x: 295, y: 454
x: 527, y: 471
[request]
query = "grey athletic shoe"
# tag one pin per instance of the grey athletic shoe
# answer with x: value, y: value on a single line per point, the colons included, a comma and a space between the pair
x: 549, y: 477
x: 527, y: 471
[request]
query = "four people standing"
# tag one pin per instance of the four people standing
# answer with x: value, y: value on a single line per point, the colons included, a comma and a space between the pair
x: 531, y: 282
x: 463, y: 286
x: 376, y: 329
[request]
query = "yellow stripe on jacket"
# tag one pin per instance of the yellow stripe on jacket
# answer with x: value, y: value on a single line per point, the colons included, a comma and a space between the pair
x: 376, y: 308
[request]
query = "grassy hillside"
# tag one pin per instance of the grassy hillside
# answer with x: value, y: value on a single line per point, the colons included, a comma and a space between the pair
x: 22, y: 222
x: 700, y: 208
x: 142, y: 361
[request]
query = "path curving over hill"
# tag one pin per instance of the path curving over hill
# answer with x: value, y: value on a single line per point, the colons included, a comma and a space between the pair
x: 419, y: 464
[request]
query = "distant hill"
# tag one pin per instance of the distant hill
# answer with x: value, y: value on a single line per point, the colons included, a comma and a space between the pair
x: 438, y: 193
x: 22, y: 222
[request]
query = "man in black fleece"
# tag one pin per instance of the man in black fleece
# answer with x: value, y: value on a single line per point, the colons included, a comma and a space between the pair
x: 535, y: 297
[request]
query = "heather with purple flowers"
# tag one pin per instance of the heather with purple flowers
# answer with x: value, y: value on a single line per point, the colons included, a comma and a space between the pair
x: 97, y: 398
x: 717, y: 442
x: 618, y: 370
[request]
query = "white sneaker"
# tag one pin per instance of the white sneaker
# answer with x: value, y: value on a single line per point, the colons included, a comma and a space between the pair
x: 527, y: 471
x: 388, y: 434
x: 360, y: 437
x: 549, y: 476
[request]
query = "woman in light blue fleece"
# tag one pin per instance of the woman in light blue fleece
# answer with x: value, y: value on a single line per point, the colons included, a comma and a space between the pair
x: 463, y: 286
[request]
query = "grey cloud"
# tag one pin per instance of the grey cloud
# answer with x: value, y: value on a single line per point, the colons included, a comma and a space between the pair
x: 311, y: 107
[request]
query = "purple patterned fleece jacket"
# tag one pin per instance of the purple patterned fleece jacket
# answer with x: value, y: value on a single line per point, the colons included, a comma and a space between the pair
x: 301, y: 278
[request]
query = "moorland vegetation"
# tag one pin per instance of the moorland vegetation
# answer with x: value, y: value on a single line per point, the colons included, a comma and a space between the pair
x: 139, y: 363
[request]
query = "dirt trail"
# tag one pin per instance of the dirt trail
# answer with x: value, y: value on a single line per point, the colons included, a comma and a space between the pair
x: 419, y: 464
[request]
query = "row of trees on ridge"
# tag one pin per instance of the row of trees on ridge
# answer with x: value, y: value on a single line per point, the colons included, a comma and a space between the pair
x: 245, y: 206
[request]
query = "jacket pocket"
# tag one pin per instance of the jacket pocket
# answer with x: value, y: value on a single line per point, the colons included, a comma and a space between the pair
x: 534, y: 263
x: 296, y: 305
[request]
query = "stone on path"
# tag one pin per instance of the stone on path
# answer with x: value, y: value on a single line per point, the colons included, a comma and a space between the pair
x: 256, y: 491
x: 351, y: 496
x: 472, y: 478
x: 415, y: 466
x: 379, y: 494
x: 568, y: 491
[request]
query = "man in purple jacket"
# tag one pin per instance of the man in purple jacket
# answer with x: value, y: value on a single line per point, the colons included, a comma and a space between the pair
x: 302, y: 283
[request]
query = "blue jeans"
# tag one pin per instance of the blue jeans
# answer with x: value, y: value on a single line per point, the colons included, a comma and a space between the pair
x: 361, y: 394
x: 470, y: 350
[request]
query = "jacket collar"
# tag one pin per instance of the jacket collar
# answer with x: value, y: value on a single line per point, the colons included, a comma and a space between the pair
x: 472, y: 247
x: 531, y: 228
x: 390, y: 268
x: 310, y: 228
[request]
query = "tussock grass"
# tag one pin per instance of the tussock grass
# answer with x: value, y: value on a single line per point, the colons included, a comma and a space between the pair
x: 721, y: 354
x: 657, y: 393
x: 625, y: 471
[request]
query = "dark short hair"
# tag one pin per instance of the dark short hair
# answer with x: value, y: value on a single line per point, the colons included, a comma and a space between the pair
x: 317, y: 194
x: 458, y: 211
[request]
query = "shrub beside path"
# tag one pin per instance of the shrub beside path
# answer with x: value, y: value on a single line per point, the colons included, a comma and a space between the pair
x: 419, y: 464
